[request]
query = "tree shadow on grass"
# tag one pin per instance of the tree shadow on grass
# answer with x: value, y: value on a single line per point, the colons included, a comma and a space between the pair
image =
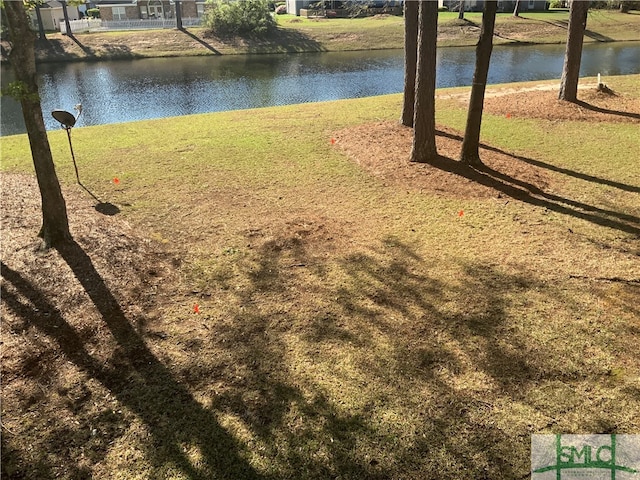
x: 435, y: 360
x: 532, y: 194
x: 301, y: 432
x: 608, y: 111
x: 52, y: 49
x: 202, y: 42
x: 598, y: 37
x: 284, y: 40
x: 133, y: 375
x: 87, y: 51
x: 555, y: 168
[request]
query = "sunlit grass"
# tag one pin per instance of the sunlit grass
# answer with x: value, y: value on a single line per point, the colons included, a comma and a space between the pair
x: 356, y: 329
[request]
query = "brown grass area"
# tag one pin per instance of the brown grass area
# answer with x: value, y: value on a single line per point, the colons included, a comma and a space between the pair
x: 338, y: 337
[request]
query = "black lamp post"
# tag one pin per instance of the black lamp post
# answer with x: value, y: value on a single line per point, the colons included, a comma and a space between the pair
x: 67, y: 121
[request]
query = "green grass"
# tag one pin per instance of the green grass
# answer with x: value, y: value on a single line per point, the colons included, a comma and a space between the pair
x: 352, y: 328
x: 530, y: 27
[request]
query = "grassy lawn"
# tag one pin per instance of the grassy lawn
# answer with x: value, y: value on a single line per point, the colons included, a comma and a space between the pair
x: 534, y: 27
x: 349, y: 326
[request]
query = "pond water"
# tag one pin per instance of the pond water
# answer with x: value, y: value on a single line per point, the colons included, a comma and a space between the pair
x: 123, y: 91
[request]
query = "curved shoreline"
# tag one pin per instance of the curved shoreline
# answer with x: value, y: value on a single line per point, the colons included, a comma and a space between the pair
x: 295, y: 35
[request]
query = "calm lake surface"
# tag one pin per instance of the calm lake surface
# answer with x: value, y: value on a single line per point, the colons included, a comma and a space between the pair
x: 124, y: 91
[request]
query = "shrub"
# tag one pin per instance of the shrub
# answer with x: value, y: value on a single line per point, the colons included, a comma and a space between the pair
x: 242, y: 18
x: 93, y: 12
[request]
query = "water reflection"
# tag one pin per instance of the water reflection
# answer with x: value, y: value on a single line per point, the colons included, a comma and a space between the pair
x: 121, y: 91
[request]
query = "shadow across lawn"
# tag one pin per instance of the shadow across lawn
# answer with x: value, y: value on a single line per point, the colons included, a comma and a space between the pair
x: 608, y: 111
x: 281, y: 40
x: 534, y: 195
x: 56, y: 49
x: 201, y: 41
x: 134, y: 375
x: 386, y: 367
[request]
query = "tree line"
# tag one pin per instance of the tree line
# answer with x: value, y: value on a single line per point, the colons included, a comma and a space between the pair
x: 418, y: 110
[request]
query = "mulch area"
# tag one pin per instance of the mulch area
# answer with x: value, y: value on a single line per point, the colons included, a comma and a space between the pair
x: 592, y: 106
x: 383, y: 148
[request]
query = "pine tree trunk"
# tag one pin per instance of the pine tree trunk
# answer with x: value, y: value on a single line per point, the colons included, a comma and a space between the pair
x: 65, y: 14
x: 55, y: 225
x: 516, y: 9
x: 179, y: 15
x: 573, y: 53
x: 410, y: 60
x: 424, y: 122
x: 471, y: 143
x: 41, y: 32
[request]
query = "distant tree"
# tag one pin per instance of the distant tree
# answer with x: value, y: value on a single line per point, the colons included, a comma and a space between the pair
x: 65, y: 14
x: 471, y: 143
x: 410, y: 60
x: 516, y: 9
x: 461, y: 10
x: 241, y: 18
x: 424, y: 122
x: 573, y: 52
x: 178, y: 15
x: 41, y: 33
x: 55, y: 225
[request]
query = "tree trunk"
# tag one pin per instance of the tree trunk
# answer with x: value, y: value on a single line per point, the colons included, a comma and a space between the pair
x: 624, y: 6
x: 178, y: 15
x: 55, y: 225
x: 65, y: 14
x: 410, y: 60
x: 424, y: 122
x: 516, y: 9
x: 573, y: 52
x: 470, y: 154
x: 41, y: 32
x: 461, y: 10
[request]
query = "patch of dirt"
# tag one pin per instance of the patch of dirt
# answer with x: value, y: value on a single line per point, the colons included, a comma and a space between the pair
x: 592, y: 105
x: 55, y: 318
x: 384, y: 148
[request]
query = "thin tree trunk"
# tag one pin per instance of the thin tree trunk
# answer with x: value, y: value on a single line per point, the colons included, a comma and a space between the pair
x: 410, y: 60
x: 471, y: 143
x: 424, y: 122
x: 55, y: 225
x: 460, y: 10
x: 573, y: 53
x: 65, y: 14
x: 42, y: 34
x: 516, y: 9
x: 178, y: 15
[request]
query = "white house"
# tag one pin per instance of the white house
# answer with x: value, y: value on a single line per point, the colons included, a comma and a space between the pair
x: 52, y: 15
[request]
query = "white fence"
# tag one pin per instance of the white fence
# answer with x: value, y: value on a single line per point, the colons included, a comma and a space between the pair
x: 96, y: 25
x: 84, y: 25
